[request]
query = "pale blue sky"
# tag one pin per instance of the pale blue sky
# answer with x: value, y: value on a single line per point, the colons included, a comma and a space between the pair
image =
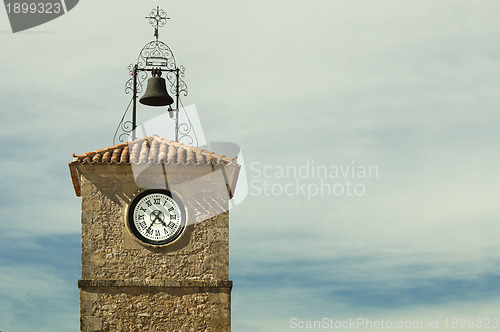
x: 411, y: 87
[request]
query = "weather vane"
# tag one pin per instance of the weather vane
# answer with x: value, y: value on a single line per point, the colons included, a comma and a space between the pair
x: 156, y: 58
x: 157, y: 18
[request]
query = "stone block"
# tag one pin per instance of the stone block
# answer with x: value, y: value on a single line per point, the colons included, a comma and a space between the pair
x: 90, y: 323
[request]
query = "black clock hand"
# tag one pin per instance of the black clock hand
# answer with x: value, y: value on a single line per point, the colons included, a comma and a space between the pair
x: 158, y: 218
x: 147, y: 229
x: 152, y: 221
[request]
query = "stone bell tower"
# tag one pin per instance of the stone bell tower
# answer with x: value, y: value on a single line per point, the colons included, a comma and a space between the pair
x: 155, y: 228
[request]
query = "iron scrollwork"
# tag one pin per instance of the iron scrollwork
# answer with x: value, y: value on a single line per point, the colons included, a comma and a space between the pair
x: 156, y: 54
x: 141, y: 77
x: 186, y: 133
x: 123, y: 132
x: 158, y: 17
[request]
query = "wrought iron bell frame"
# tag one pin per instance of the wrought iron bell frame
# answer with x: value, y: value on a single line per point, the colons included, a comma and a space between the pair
x: 153, y: 56
x: 135, y: 71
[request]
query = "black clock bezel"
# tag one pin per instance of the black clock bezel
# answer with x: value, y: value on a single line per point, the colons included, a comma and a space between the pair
x: 138, y: 235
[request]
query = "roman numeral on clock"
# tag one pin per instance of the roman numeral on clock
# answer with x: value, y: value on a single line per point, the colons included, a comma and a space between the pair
x: 173, y: 217
x: 171, y: 225
x: 149, y: 203
x: 171, y: 209
x: 157, y: 200
x: 142, y: 224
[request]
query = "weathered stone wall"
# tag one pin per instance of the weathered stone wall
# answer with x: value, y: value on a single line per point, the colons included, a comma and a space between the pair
x: 154, y: 308
x: 130, y: 286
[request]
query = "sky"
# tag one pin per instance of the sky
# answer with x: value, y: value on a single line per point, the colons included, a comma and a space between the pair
x: 406, y: 89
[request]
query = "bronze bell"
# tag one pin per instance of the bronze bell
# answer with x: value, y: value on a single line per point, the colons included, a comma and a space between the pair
x: 156, y: 91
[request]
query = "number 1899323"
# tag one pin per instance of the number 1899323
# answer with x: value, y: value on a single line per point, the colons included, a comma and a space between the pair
x: 33, y: 8
x: 472, y: 323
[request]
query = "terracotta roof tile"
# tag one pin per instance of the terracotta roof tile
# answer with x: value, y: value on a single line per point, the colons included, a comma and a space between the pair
x: 152, y: 150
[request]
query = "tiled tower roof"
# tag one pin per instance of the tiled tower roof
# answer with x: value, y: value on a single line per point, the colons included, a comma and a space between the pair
x: 152, y: 150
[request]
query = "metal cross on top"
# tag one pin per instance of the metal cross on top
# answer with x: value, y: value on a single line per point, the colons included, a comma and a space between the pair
x: 157, y: 18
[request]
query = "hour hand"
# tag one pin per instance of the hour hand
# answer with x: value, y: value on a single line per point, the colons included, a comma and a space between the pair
x: 157, y: 216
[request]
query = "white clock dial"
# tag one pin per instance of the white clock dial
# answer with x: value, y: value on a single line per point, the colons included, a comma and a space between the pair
x: 155, y: 217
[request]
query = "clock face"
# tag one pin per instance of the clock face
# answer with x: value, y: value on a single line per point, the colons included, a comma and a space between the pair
x: 156, y: 217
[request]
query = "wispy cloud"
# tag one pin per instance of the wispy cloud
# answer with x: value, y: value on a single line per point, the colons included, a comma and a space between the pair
x: 38, y: 290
